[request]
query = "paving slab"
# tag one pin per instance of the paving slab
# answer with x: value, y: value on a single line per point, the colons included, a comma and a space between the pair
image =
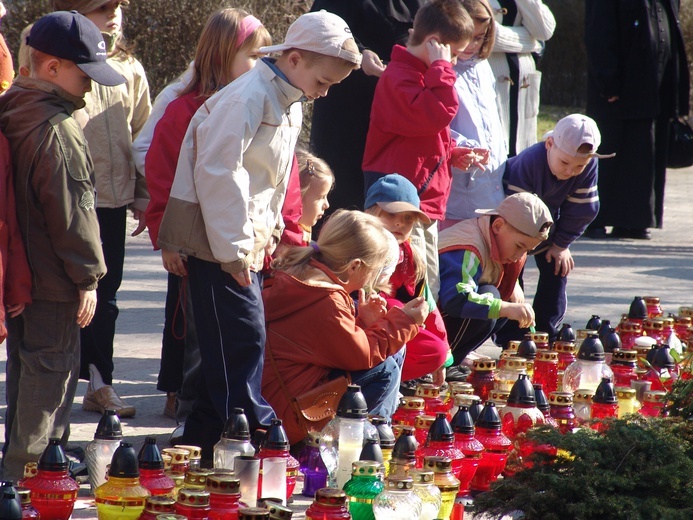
x: 607, y: 275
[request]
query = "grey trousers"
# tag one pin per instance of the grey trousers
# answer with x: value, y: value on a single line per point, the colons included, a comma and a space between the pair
x: 42, y: 370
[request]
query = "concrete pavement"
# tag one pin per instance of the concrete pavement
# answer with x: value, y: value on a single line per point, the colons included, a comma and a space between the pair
x: 607, y: 275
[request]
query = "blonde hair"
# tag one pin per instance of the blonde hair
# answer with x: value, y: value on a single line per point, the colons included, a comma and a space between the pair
x: 481, y: 13
x: 347, y: 235
x: 419, y: 264
x: 312, y: 168
x: 218, y: 47
x: 23, y: 56
x: 446, y: 18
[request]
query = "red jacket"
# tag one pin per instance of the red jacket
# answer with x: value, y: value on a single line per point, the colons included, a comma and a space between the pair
x: 162, y: 157
x: 15, y: 276
x: 312, y: 329
x: 409, y: 130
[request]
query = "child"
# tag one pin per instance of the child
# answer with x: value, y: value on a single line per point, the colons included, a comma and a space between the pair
x: 227, y: 48
x: 15, y: 276
x: 313, y: 332
x: 394, y: 201
x: 55, y: 210
x: 316, y: 181
x: 477, y: 124
x: 224, y: 210
x: 116, y: 114
x: 480, y: 261
x: 414, y: 103
x: 562, y: 171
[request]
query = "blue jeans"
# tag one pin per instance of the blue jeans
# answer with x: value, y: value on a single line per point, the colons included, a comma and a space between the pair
x: 230, y: 324
x: 380, y: 386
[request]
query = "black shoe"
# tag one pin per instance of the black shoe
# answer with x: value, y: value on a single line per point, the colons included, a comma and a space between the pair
x: 457, y: 373
x: 409, y: 387
x: 634, y: 233
x: 596, y: 233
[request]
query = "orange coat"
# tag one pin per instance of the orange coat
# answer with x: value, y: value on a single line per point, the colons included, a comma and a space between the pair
x: 312, y: 329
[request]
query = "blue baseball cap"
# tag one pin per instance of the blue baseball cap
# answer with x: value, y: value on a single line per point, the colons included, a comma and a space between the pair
x: 395, y: 194
x: 72, y: 36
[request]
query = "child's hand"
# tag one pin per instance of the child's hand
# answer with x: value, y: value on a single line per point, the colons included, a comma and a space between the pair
x: 438, y: 51
x: 417, y: 310
x: 173, y: 263
x: 563, y: 260
x: 483, y: 156
x: 462, y: 157
x: 523, y: 313
x: 14, y: 309
x: 371, y: 308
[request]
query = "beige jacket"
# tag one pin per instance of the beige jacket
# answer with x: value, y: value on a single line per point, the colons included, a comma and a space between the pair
x: 232, y: 172
x: 115, y: 116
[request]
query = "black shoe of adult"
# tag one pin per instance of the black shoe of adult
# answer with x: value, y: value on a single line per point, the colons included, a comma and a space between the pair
x: 596, y: 233
x: 634, y: 233
x: 457, y: 373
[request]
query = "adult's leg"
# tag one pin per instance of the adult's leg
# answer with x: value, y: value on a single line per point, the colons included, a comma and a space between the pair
x: 626, y: 182
x: 551, y: 298
x: 380, y: 386
x: 230, y: 323
x: 44, y: 342
x: 97, y: 338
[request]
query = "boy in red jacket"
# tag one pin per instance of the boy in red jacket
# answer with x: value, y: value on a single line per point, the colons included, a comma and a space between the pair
x: 414, y: 103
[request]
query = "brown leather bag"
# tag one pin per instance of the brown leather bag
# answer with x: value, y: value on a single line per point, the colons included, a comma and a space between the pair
x: 316, y: 407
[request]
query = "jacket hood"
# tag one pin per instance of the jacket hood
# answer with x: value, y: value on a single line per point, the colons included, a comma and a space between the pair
x: 31, y: 102
x: 288, y: 295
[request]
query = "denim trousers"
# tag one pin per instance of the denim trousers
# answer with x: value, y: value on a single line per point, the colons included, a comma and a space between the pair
x: 42, y: 370
x: 230, y: 324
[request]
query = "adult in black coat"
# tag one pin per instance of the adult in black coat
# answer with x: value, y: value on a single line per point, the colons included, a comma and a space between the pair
x: 340, y: 120
x: 638, y: 80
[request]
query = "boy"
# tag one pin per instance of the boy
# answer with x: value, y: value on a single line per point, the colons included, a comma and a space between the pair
x: 562, y: 171
x: 114, y: 116
x: 414, y: 103
x: 480, y: 261
x: 55, y: 210
x: 224, y: 210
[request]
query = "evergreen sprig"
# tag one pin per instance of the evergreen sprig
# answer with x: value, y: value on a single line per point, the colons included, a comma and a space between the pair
x: 636, y: 469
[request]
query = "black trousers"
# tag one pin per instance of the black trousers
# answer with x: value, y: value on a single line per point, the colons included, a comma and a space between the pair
x: 97, y: 338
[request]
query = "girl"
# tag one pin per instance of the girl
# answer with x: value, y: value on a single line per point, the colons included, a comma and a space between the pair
x: 477, y: 124
x: 227, y: 48
x: 316, y: 181
x: 115, y: 116
x: 313, y: 330
x: 394, y: 201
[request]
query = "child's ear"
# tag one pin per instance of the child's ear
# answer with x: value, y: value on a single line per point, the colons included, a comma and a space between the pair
x: 51, y: 66
x: 294, y: 58
x: 548, y: 143
x: 497, y: 224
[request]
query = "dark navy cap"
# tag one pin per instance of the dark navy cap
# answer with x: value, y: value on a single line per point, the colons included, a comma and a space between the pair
x: 72, y: 36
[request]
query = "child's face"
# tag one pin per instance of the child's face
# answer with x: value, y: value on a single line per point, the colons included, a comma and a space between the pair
x: 511, y: 243
x: 315, y: 77
x: 478, y: 38
x: 399, y: 224
x: 562, y: 165
x: 243, y: 62
x: 108, y: 18
x: 68, y: 76
x: 315, y: 201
